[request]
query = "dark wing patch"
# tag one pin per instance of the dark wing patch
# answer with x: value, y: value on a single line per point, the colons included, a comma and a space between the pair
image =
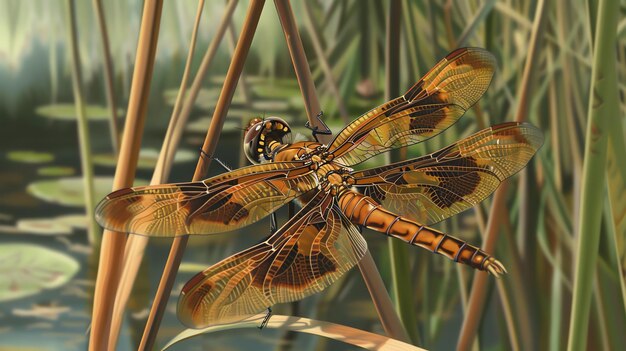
x: 429, y: 107
x: 431, y: 188
x: 218, y: 204
x: 303, y: 257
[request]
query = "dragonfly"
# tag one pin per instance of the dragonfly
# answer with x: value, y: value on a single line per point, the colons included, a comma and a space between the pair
x: 323, y: 240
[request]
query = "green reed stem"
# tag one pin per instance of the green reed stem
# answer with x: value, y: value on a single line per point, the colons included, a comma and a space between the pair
x: 83, y: 125
x: 603, y: 108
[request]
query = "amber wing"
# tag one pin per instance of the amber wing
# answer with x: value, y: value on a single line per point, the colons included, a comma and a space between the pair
x: 306, y: 255
x: 218, y: 204
x: 433, y: 104
x: 431, y: 188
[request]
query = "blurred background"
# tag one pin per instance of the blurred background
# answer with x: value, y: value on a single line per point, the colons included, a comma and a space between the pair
x: 48, y: 256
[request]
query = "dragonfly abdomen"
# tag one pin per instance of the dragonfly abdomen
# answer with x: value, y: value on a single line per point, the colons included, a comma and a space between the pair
x: 364, y: 211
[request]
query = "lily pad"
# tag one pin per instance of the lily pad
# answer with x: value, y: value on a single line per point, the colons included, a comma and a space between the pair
x: 270, y: 105
x: 56, y: 171
x: 272, y: 91
x: 29, y: 156
x: 206, y: 99
x: 67, y: 112
x: 201, y: 125
x: 43, y: 226
x: 69, y: 191
x: 147, y: 158
x: 27, y: 269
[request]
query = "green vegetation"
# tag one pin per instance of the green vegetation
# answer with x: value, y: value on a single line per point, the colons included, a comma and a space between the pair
x: 562, y: 224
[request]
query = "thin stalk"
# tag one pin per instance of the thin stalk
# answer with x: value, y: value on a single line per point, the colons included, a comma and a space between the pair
x: 321, y: 57
x: 556, y: 296
x: 398, y: 251
x: 612, y: 235
x: 112, y: 248
x: 603, y: 111
x: 243, y: 83
x: 196, y: 85
x: 83, y: 124
x: 136, y: 244
x: 479, y: 288
x: 108, y: 77
x: 380, y: 297
x: 210, y: 144
x: 508, y: 316
x: 480, y: 16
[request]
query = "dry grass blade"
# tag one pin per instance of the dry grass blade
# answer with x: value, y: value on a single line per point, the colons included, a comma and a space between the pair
x: 112, y: 247
x: 389, y: 319
x: 479, y: 289
x: 348, y: 335
x: 210, y: 143
x: 136, y: 244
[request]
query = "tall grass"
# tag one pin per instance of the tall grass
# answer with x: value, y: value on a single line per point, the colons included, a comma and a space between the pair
x: 559, y: 226
x: 603, y: 109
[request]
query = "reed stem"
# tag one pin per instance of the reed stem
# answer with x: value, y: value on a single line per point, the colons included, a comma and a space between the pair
x: 479, y: 289
x: 210, y: 143
x: 108, y: 77
x: 389, y: 319
x: 603, y: 110
x: 112, y: 247
x: 402, y: 292
x: 83, y: 124
x: 136, y: 244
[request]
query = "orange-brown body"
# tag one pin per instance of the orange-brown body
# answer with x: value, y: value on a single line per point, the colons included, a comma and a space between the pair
x: 364, y: 211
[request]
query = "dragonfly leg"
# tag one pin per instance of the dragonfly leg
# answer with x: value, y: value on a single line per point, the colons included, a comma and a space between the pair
x: 316, y: 130
x: 266, y: 319
x: 220, y: 162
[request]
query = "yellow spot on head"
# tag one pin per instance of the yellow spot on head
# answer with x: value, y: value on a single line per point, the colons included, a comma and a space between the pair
x: 260, y: 150
x: 285, y: 129
x: 261, y: 142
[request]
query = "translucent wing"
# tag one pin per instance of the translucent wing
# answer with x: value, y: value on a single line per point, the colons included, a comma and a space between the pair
x: 303, y: 257
x: 431, y: 188
x: 218, y: 204
x: 429, y: 107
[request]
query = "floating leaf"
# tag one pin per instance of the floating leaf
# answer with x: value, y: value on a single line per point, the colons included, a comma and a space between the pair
x: 27, y: 269
x: 348, y: 335
x: 69, y: 191
x: 147, y: 158
x: 29, y: 156
x: 201, y: 125
x: 270, y: 105
x: 206, y: 99
x: 271, y: 91
x: 43, y: 226
x: 55, y: 171
x: 67, y: 112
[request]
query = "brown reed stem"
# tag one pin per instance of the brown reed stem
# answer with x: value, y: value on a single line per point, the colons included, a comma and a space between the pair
x: 210, y: 143
x: 136, y: 244
x: 108, y: 77
x: 479, y: 288
x: 196, y: 85
x: 112, y: 247
x: 389, y: 319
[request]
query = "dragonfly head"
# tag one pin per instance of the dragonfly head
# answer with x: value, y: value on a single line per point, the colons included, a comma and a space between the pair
x: 262, y: 136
